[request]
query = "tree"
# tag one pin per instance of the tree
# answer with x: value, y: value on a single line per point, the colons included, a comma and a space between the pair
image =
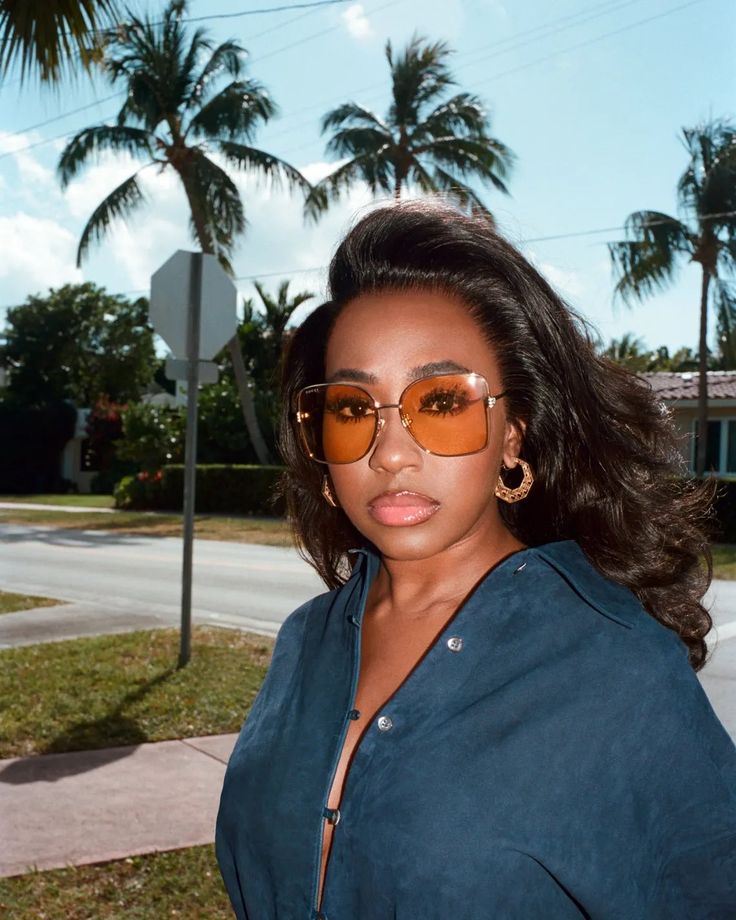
x: 77, y: 343
x: 630, y: 352
x: 648, y: 260
x: 53, y: 36
x: 262, y: 335
x: 433, y: 142
x: 175, y: 117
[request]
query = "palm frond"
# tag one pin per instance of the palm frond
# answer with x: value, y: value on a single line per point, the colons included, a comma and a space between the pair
x: 703, y: 185
x: 262, y: 165
x: 648, y: 262
x: 119, y: 203
x: 375, y: 172
x: 462, y: 114
x: 485, y: 158
x: 52, y: 38
x: 235, y: 111
x: 419, y: 74
x: 215, y: 200
x: 462, y: 193
x: 228, y: 57
x: 92, y: 141
x: 354, y: 113
x: 359, y: 141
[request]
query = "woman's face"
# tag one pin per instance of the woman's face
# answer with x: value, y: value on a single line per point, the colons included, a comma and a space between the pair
x: 382, y: 342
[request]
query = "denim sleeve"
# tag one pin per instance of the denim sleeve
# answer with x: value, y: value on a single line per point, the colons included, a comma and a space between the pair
x: 696, y: 780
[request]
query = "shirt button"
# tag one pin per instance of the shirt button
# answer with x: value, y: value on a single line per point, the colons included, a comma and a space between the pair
x: 353, y: 714
x: 455, y: 643
x: 384, y: 723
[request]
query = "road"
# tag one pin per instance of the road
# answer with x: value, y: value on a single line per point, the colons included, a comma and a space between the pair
x: 116, y: 582
x: 233, y: 584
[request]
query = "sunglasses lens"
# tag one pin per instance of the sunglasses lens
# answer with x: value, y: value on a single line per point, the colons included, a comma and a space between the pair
x: 447, y: 413
x: 337, y: 422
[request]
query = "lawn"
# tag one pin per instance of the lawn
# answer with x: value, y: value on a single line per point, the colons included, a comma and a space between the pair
x: 104, y: 691
x: 79, y: 501
x: 12, y: 603
x: 244, y: 529
x: 180, y: 883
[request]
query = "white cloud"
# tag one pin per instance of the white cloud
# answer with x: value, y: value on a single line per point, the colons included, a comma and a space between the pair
x: 565, y: 281
x: 357, y: 23
x: 38, y: 253
x: 29, y: 169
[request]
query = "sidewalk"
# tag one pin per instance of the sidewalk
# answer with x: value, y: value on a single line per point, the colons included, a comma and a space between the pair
x: 92, y: 806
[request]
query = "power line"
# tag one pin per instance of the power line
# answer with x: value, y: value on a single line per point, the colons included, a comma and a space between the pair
x: 82, y: 108
x: 593, y: 40
x: 301, y: 41
x: 238, y: 14
x: 536, y: 239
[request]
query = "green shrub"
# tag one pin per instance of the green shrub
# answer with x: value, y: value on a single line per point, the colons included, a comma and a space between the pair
x: 221, y: 488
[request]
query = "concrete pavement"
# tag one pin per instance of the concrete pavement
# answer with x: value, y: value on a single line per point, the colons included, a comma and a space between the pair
x: 93, y: 806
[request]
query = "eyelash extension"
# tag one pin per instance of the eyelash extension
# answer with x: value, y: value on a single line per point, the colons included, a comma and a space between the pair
x: 459, y: 394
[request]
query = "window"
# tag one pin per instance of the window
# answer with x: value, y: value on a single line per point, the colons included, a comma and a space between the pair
x: 720, y: 449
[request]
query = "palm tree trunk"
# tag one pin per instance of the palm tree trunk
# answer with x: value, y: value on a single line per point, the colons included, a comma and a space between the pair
x: 703, y: 377
x: 242, y: 378
x: 397, y: 187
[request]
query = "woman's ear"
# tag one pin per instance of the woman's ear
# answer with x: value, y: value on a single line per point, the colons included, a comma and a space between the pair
x: 513, y: 441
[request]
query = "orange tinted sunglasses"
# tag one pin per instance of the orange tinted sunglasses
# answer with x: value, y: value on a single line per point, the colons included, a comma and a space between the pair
x: 446, y: 415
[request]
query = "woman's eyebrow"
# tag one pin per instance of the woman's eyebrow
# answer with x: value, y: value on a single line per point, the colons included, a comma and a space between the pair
x: 436, y: 367
x: 352, y: 373
x: 421, y: 370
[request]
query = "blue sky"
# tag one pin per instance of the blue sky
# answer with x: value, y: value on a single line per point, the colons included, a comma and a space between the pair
x: 590, y: 95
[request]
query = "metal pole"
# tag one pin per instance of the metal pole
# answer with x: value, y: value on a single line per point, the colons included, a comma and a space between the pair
x: 190, y: 454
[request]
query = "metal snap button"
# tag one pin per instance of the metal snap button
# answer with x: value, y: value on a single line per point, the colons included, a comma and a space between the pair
x: 455, y: 643
x: 385, y: 723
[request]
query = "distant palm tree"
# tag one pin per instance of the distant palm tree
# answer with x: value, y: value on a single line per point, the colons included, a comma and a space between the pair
x: 277, y: 313
x: 51, y: 36
x: 647, y: 262
x: 629, y: 351
x: 174, y: 118
x: 424, y: 139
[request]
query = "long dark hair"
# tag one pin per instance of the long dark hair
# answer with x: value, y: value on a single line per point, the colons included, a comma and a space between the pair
x: 608, y: 471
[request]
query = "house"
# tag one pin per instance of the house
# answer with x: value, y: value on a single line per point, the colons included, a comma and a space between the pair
x: 679, y: 392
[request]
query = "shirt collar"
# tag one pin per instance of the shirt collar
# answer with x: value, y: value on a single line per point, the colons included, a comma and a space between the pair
x: 611, y: 599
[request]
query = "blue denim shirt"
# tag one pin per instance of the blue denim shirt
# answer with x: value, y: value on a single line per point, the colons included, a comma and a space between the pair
x: 552, y: 756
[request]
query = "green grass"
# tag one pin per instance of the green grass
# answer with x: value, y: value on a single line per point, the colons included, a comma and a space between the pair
x: 79, y: 501
x: 99, y: 692
x: 11, y: 603
x: 180, y: 883
x: 267, y: 531
x: 724, y: 561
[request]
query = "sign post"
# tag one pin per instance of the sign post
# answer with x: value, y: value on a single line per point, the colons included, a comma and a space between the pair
x: 194, y: 281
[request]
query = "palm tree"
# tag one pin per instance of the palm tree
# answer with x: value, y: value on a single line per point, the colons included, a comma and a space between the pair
x: 433, y: 142
x: 175, y: 118
x: 50, y: 36
x: 648, y: 260
x: 630, y: 351
x: 277, y: 313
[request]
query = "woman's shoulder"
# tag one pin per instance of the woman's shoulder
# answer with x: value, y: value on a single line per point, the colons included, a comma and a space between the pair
x: 570, y: 583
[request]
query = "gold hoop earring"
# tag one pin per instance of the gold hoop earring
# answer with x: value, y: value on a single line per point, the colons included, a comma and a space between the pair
x: 506, y: 494
x: 327, y: 492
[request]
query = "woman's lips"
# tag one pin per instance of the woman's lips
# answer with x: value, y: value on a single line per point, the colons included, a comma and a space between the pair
x: 402, y: 509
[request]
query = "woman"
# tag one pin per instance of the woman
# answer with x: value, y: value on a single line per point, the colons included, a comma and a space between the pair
x: 494, y: 711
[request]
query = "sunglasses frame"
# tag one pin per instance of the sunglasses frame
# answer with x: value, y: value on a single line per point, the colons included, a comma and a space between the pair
x: 380, y: 421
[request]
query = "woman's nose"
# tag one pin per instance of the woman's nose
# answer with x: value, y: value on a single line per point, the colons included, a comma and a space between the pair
x: 394, y: 448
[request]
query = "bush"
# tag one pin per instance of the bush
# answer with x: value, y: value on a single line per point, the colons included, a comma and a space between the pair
x: 223, y: 488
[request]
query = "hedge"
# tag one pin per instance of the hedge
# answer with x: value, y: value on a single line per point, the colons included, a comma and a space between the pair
x: 227, y: 488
